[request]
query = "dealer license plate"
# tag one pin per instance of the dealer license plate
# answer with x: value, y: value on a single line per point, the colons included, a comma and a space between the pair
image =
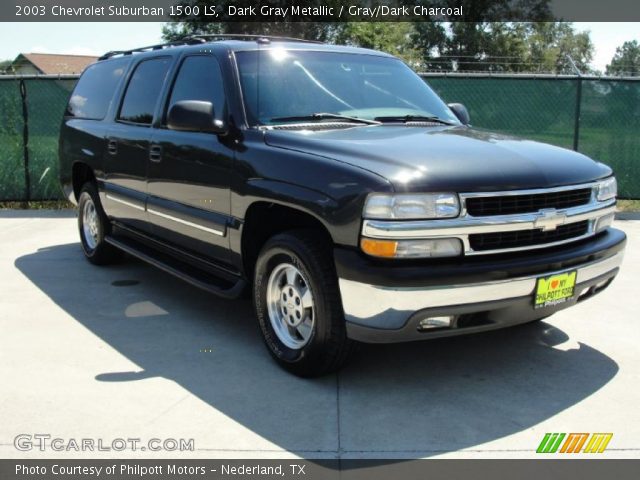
x: 555, y: 289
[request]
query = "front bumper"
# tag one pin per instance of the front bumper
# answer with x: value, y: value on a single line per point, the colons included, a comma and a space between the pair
x: 384, y: 302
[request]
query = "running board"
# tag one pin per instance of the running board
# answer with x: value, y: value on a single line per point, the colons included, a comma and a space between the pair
x: 184, y: 271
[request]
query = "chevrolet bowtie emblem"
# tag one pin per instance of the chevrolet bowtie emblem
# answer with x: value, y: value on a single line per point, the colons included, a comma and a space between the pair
x: 549, y: 219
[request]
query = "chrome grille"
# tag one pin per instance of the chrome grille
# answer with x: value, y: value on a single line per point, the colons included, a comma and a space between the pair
x: 512, y: 204
x: 526, y: 238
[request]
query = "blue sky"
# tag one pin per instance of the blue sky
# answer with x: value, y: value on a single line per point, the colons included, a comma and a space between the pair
x: 97, y: 38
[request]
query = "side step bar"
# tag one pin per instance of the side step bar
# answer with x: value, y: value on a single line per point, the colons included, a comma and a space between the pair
x: 184, y: 271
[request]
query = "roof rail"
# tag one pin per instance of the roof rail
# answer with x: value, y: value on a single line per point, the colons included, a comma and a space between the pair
x: 160, y: 46
x: 204, y: 38
x: 213, y: 37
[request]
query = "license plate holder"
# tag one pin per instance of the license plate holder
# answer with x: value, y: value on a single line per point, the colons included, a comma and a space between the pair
x: 555, y: 289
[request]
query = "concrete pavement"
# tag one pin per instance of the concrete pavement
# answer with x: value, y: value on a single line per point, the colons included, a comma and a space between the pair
x: 130, y: 352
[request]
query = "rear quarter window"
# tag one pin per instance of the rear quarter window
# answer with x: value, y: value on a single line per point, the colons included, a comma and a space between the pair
x: 95, y: 89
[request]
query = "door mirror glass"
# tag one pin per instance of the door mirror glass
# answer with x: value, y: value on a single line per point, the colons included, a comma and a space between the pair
x: 194, y: 116
x: 461, y: 112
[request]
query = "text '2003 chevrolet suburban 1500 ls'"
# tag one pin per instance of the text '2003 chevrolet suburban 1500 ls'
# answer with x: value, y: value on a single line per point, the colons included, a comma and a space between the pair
x: 335, y: 185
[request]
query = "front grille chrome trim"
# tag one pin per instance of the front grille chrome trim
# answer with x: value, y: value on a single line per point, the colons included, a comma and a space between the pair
x: 465, y: 225
x: 532, y: 191
x: 400, y: 230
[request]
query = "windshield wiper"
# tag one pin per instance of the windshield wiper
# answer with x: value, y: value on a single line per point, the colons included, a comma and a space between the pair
x: 413, y: 118
x: 322, y: 116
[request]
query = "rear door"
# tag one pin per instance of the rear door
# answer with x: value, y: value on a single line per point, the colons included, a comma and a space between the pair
x: 128, y: 143
x: 188, y: 202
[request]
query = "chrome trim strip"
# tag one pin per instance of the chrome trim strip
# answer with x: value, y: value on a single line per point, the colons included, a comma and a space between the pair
x: 532, y: 191
x: 470, y: 225
x: 185, y: 222
x: 390, y: 307
x: 124, y: 202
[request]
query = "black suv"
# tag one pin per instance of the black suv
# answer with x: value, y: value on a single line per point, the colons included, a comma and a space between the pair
x: 337, y: 186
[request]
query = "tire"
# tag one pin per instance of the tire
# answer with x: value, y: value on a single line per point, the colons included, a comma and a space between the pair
x: 93, y: 226
x: 298, y: 305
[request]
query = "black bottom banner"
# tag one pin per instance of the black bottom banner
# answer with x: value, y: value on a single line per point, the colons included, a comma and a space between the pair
x: 583, y: 469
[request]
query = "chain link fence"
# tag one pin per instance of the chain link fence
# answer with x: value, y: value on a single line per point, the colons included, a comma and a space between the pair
x: 31, y: 110
x: 599, y: 117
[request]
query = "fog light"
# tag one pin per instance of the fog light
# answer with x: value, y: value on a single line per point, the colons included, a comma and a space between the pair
x: 430, y: 323
x: 604, y: 222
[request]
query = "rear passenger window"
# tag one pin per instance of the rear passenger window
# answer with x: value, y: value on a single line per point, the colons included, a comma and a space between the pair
x: 199, y: 78
x: 93, y: 93
x: 143, y: 91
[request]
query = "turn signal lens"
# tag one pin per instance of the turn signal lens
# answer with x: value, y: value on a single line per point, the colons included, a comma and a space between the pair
x: 440, y: 247
x: 379, y: 248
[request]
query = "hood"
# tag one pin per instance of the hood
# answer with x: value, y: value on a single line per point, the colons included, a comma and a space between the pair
x: 458, y: 159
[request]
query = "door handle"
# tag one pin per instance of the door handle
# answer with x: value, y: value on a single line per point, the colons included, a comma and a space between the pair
x: 155, y: 153
x: 112, y: 146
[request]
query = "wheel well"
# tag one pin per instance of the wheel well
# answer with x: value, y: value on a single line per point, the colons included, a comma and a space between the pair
x: 81, y: 174
x: 263, y: 220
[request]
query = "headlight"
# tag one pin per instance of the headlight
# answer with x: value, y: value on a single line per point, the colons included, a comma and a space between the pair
x: 412, y: 206
x: 607, y: 189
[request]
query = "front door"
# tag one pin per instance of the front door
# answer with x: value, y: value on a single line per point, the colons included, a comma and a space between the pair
x: 189, y: 172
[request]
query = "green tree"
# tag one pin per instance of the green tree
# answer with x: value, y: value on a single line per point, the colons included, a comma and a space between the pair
x: 4, y: 66
x: 476, y: 41
x: 505, y: 47
x: 469, y: 45
x: 552, y: 46
x: 390, y: 37
x: 626, y: 61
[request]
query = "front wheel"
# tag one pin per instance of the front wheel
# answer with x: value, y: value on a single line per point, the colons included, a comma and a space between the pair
x: 298, y: 304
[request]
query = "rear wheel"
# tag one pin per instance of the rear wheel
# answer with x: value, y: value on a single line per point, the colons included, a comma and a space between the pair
x: 93, y: 225
x: 298, y: 304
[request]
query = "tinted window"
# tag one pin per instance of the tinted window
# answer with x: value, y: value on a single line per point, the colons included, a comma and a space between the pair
x: 280, y: 83
x: 199, y: 78
x: 143, y: 90
x: 93, y: 93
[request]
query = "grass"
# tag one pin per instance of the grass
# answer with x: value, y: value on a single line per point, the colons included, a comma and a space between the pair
x: 43, y: 167
x: 37, y: 205
x: 629, y: 205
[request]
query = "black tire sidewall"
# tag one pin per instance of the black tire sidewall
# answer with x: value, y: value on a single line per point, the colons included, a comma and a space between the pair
x: 285, y: 250
x: 89, y: 192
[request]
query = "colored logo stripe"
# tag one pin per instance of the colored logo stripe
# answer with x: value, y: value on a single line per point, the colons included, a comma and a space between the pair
x: 550, y: 443
x: 598, y: 442
x: 574, y: 442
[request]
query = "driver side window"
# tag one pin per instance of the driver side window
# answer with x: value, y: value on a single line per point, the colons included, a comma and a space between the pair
x: 199, y: 78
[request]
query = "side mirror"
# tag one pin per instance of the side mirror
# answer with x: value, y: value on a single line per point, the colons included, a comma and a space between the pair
x: 461, y: 112
x: 194, y: 116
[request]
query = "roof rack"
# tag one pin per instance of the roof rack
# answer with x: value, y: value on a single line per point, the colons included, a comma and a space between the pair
x: 160, y: 46
x: 245, y: 36
x: 204, y: 38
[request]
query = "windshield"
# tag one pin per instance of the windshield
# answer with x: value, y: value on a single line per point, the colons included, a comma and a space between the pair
x: 285, y: 86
